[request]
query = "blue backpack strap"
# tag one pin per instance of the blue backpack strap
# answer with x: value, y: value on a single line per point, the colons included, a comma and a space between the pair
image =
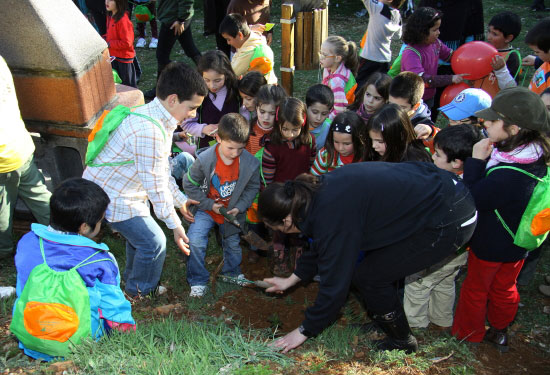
x: 82, y: 263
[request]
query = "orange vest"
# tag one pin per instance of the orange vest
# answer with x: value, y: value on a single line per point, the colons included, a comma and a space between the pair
x: 541, y: 79
x: 489, y: 83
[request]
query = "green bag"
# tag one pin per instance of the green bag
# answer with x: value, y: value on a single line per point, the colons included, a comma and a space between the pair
x: 116, y: 77
x: 53, y: 312
x: 395, y: 68
x: 104, y: 127
x: 143, y: 14
x: 535, y: 221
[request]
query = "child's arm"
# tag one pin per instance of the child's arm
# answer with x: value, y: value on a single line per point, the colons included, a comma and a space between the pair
x: 114, y: 308
x: 319, y: 166
x: 192, y: 182
x: 124, y: 35
x: 193, y: 127
x: 337, y: 85
x: 312, y: 150
x: 269, y: 166
x: 241, y: 61
x: 504, y: 78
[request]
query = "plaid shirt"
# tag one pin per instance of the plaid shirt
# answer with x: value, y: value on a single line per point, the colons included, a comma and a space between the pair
x: 131, y: 186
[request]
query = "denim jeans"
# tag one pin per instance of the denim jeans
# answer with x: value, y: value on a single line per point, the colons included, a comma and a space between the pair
x: 180, y: 164
x: 145, y: 253
x: 197, y: 274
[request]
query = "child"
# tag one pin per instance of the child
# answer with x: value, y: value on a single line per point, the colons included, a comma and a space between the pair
x: 384, y: 23
x: 222, y: 98
x: 289, y: 151
x: 151, y: 8
x: 392, y: 137
x: 253, y: 53
x: 345, y: 144
x: 538, y: 39
x: 249, y: 86
x: 462, y: 109
x: 372, y: 96
x: 421, y: 33
x: 224, y: 175
x: 338, y: 58
x: 503, y: 29
x: 489, y: 290
x: 319, y: 102
x: 120, y: 39
x: 430, y: 294
x: 47, y: 255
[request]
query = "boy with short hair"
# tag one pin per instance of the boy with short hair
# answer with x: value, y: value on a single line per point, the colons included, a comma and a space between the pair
x: 253, y: 53
x: 227, y: 176
x: 430, y: 294
x: 503, y: 29
x: 319, y: 102
x: 538, y: 39
x: 77, y: 209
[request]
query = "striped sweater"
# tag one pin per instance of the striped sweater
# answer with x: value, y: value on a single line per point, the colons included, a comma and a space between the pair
x: 337, y: 83
x: 321, y: 166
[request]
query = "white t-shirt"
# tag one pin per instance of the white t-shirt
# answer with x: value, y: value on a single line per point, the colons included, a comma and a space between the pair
x: 384, y: 23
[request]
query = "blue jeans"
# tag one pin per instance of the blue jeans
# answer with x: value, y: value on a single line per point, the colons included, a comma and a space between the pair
x: 197, y: 274
x: 180, y: 164
x: 145, y: 253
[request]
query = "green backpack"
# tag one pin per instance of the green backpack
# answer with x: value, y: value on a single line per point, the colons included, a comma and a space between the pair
x: 535, y: 221
x: 395, y: 68
x: 107, y: 124
x: 53, y: 312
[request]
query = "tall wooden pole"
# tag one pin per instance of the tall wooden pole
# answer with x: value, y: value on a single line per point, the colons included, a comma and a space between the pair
x: 287, y: 49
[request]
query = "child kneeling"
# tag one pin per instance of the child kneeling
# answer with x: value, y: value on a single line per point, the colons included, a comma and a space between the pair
x: 68, y: 286
x: 224, y: 175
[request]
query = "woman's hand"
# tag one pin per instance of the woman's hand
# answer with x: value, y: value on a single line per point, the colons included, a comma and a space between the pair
x: 281, y: 284
x: 289, y: 341
x: 482, y: 149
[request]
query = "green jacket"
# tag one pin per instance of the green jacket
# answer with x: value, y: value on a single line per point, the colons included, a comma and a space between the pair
x: 169, y: 11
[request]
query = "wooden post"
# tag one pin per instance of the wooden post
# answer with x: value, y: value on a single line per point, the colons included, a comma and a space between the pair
x: 317, y: 31
x: 287, y: 48
x: 308, y: 39
x: 325, y: 24
x: 299, y: 39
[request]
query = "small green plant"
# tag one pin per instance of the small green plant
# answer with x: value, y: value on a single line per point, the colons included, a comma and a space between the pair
x: 275, y: 320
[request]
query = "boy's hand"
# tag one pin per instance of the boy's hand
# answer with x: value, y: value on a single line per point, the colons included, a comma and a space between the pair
x: 186, y: 212
x: 457, y: 78
x: 209, y: 129
x: 216, y: 207
x: 281, y: 284
x: 233, y: 211
x: 482, y: 149
x: 181, y: 239
x: 422, y: 131
x: 497, y: 62
x: 178, y: 27
x: 528, y: 60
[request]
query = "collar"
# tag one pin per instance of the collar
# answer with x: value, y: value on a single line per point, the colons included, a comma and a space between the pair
x: 53, y: 235
x: 167, y: 120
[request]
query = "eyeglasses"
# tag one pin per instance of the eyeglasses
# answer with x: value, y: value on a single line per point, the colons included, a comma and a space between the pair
x: 322, y: 56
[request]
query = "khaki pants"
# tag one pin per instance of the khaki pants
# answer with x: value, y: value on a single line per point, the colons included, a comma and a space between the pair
x: 430, y: 294
x: 28, y: 183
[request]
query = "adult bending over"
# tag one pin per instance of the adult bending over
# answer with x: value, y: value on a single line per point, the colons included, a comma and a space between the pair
x: 405, y: 216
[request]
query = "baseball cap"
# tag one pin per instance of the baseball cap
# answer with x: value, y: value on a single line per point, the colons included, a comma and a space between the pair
x: 519, y: 106
x: 466, y: 104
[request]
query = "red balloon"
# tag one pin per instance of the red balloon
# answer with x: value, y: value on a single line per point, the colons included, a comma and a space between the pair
x: 474, y: 59
x: 451, y: 92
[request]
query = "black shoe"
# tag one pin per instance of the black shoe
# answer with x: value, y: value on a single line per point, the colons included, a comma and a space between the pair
x: 367, y: 327
x: 399, y: 335
x: 498, y: 337
x: 150, y: 94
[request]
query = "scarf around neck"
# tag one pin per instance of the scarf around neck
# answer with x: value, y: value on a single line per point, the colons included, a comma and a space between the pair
x: 525, y: 154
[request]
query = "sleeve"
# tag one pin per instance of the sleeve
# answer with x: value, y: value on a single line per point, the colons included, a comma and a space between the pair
x: 312, y: 150
x: 150, y: 162
x: 411, y: 62
x: 185, y: 9
x: 193, y: 126
x: 125, y: 35
x: 337, y: 85
x: 538, y: 62
x: 504, y: 78
x: 445, y: 52
x: 114, y: 307
x: 319, y: 166
x: 483, y: 187
x: 251, y: 189
x: 192, y: 185
x: 269, y: 166
x: 179, y: 197
x: 241, y: 61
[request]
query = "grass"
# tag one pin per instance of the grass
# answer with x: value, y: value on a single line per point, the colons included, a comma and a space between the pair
x: 200, y: 344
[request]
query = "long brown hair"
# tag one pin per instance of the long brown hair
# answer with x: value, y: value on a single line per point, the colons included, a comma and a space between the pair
x: 524, y: 137
x: 294, y: 111
x: 121, y: 9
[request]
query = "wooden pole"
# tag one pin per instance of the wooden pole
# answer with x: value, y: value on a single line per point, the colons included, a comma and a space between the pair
x: 308, y: 40
x: 299, y: 39
x: 287, y: 48
x: 317, y: 33
x: 325, y: 24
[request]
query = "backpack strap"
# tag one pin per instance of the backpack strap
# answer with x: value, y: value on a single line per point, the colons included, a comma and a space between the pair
x: 516, y: 52
x: 414, y: 50
x: 79, y: 264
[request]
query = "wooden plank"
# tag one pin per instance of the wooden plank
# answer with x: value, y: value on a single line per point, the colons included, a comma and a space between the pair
x: 325, y: 24
x: 317, y: 28
x: 299, y: 39
x: 308, y: 40
x: 287, y: 49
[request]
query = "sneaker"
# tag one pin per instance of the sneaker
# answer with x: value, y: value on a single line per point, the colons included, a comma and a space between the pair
x: 361, y: 13
x: 154, y: 43
x: 160, y: 290
x: 499, y: 338
x: 198, y: 291
x: 140, y: 43
x: 241, y: 277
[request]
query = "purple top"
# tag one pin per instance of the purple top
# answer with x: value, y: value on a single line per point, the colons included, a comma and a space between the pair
x: 426, y: 65
x: 192, y: 126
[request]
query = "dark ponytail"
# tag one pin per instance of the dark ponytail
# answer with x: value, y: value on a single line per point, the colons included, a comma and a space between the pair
x: 279, y: 200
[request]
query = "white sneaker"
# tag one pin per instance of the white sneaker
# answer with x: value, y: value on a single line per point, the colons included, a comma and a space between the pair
x: 140, y: 43
x: 198, y: 291
x: 154, y: 43
x: 160, y: 290
x: 241, y: 277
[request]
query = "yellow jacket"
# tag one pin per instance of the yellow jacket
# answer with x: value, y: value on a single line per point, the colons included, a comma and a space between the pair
x: 241, y: 61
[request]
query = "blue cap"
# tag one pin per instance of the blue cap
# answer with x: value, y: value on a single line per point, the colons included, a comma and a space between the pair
x: 466, y: 104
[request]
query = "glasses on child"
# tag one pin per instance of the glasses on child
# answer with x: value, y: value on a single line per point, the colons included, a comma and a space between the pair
x: 322, y: 56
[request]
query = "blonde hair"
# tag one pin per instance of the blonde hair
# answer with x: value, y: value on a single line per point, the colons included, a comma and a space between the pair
x: 346, y: 49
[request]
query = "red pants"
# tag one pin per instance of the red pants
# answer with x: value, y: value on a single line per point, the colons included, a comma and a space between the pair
x: 488, y: 291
